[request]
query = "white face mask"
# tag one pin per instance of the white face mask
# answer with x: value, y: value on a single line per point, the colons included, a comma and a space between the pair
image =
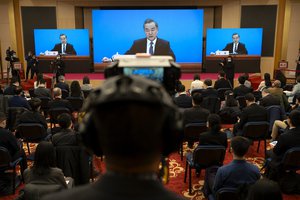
x: 229, y: 60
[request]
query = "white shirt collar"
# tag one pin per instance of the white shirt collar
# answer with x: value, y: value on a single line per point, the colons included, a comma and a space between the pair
x: 148, y: 45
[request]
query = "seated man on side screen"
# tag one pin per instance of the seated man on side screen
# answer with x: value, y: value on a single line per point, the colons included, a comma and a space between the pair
x: 252, y: 113
x: 132, y: 145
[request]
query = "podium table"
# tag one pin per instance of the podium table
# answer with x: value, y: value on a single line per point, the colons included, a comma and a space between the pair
x: 74, y: 64
x: 243, y: 63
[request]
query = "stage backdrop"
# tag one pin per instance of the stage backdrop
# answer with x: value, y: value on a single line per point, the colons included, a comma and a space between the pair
x: 218, y: 38
x: 45, y: 39
x: 115, y: 30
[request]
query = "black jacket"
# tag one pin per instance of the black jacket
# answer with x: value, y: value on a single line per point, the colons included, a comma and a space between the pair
x: 269, y: 100
x: 162, y: 47
x: 42, y: 92
x: 65, y: 137
x: 60, y: 103
x: 9, y: 141
x: 69, y: 49
x: 195, y: 114
x: 222, y: 83
x: 241, y: 90
x: 210, y: 138
x: 209, y: 92
x: 63, y: 86
x: 32, y: 117
x: 240, y: 50
x: 183, y: 101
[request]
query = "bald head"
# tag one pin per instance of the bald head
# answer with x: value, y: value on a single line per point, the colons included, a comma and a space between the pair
x: 57, y: 92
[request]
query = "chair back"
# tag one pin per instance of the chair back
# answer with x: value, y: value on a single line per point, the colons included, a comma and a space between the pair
x: 221, y: 93
x: 192, y: 131
x: 31, y: 132
x: 86, y: 93
x: 291, y: 159
x: 44, y: 103
x: 274, y: 113
x: 242, y: 101
x: 5, y: 158
x: 31, y: 92
x: 256, y: 130
x: 227, y: 194
x: 64, y: 94
x: 76, y: 102
x: 5, y: 103
x: 196, y: 91
x: 13, y: 113
x: 55, y: 112
x: 212, y: 104
x: 205, y: 156
x: 257, y: 95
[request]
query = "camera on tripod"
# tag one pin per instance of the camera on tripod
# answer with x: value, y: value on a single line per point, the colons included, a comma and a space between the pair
x: 11, y: 55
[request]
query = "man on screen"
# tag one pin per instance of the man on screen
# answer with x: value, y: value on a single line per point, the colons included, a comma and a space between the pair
x: 63, y: 47
x: 151, y: 44
x: 236, y: 47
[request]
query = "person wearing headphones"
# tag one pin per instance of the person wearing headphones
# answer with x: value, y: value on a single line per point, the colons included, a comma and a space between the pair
x: 133, y: 122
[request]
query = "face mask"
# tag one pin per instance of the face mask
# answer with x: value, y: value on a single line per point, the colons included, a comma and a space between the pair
x: 229, y: 60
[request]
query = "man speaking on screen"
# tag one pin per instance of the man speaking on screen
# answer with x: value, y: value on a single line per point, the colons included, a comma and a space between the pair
x: 63, y: 47
x: 151, y: 44
x: 236, y: 47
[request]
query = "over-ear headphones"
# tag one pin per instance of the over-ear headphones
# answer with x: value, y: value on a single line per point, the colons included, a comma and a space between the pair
x: 131, y: 89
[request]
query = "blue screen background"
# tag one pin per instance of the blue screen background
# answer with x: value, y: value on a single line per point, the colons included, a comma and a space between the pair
x: 115, y: 30
x: 217, y: 39
x: 45, y: 39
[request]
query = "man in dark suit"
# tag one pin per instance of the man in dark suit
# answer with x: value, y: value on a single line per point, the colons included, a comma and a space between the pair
x: 66, y: 136
x: 63, y: 47
x: 183, y: 100
x: 222, y: 82
x: 62, y: 84
x: 252, y: 113
x: 18, y: 100
x: 268, y: 99
x: 58, y: 102
x: 209, y: 91
x: 151, y: 44
x: 11, y: 89
x: 228, y: 67
x: 236, y: 47
x: 42, y: 91
x: 241, y: 90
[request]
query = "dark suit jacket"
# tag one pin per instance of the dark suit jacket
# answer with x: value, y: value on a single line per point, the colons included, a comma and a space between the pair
x: 195, y: 114
x: 10, y: 90
x: 9, y: 141
x: 210, y: 138
x: 269, y: 100
x: 222, y: 83
x: 107, y: 185
x: 162, y: 47
x: 183, y: 101
x: 32, y: 117
x: 287, y: 140
x: 66, y: 137
x: 18, y: 101
x: 69, y: 49
x: 209, y: 92
x: 42, y: 92
x: 240, y: 50
x: 63, y: 86
x: 252, y: 113
x: 60, y: 103
x: 241, y: 90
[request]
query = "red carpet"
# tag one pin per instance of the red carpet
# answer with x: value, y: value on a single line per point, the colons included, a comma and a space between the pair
x: 177, y: 168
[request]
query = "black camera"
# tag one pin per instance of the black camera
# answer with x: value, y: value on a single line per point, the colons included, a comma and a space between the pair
x: 10, y: 55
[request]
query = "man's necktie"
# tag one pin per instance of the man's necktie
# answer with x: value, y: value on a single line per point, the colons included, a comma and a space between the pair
x: 151, y: 48
x: 64, y: 49
x: 235, y: 47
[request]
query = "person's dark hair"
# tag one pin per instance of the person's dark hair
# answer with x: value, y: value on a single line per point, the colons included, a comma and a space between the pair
x: 267, y: 78
x: 197, y: 98
x: 86, y: 80
x: 230, y: 101
x: 181, y: 88
x: 235, y: 34
x: 240, y: 145
x: 64, y: 120
x: 44, y: 158
x: 42, y: 81
x: 18, y: 90
x: 75, y: 89
x: 246, y: 75
x: 279, y: 75
x: 242, y: 79
x: 63, y: 34
x: 208, y: 82
x: 250, y: 97
x: 123, y: 144
x: 214, y: 123
x: 196, y: 77
x: 35, y: 103
x: 264, y: 189
x: 222, y: 74
x: 39, y: 77
x: 148, y: 21
x: 295, y: 118
x: 14, y: 80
